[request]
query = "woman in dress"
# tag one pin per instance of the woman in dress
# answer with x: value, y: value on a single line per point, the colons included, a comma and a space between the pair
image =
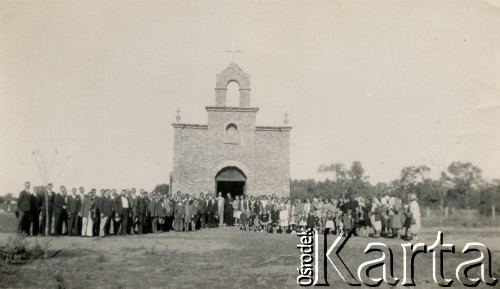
x: 179, y: 215
x: 318, y: 209
x: 307, y: 207
x: 263, y: 201
x: 275, y: 218
x: 161, y: 213
x: 152, y: 212
x: 169, y: 211
x: 188, y: 215
x: 283, y: 219
x: 236, y: 210
x: 228, y: 210
x: 416, y: 223
x: 397, y: 220
x: 195, y: 213
x: 375, y: 217
x: 292, y: 218
x: 310, y: 220
x: 326, y: 207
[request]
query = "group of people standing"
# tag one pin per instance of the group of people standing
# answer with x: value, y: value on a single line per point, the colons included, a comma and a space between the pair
x: 377, y: 216
x: 88, y: 213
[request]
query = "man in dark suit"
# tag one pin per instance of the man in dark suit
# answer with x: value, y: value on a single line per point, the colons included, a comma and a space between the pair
x: 202, y: 210
x: 97, y: 222
x: 121, y: 208
x: 34, y: 213
x: 48, y: 203
x: 74, y: 205
x: 139, y: 211
x: 131, y: 203
x: 59, y: 210
x: 147, y: 216
x: 212, y: 211
x: 82, y: 195
x: 114, y: 225
x: 23, y: 207
x: 105, y: 211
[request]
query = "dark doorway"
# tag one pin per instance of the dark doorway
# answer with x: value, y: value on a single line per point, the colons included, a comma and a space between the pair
x: 235, y: 188
x: 230, y: 180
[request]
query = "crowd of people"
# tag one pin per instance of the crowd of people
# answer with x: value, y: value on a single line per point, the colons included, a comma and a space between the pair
x: 88, y: 213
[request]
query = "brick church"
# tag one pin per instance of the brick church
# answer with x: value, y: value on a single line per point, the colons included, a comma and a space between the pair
x: 230, y: 153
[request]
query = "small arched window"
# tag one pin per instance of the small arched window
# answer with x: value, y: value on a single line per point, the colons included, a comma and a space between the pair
x: 231, y: 133
x: 233, y: 94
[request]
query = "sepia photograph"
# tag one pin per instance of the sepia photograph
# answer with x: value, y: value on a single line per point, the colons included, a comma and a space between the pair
x: 249, y: 144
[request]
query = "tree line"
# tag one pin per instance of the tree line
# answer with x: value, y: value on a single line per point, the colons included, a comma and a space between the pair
x: 461, y: 185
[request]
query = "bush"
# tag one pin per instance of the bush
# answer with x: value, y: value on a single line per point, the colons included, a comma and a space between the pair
x: 16, y: 250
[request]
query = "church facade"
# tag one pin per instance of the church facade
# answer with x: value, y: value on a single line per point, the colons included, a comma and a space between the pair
x: 231, y: 154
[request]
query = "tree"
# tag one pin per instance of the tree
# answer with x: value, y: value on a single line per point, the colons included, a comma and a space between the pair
x: 489, y: 196
x: 46, y: 170
x: 464, y: 176
x: 441, y: 187
x: 163, y: 189
x: 408, y: 181
x: 339, y: 175
x: 347, y: 181
x: 9, y: 197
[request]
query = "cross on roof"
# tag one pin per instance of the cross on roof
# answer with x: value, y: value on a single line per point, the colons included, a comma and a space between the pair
x: 286, y: 118
x: 178, y: 116
x: 232, y: 51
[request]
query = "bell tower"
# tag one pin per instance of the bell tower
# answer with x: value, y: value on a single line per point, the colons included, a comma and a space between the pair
x: 231, y: 154
x: 232, y: 73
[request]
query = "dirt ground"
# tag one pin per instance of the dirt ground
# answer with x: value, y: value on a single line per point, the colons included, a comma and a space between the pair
x: 218, y: 258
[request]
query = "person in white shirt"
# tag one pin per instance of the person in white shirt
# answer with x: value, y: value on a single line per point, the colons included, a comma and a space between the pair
x: 415, y: 217
x: 307, y: 207
x: 220, y: 209
x: 123, y: 210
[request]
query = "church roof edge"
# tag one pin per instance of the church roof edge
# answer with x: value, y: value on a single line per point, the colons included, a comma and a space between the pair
x: 274, y: 128
x: 232, y: 108
x: 189, y: 125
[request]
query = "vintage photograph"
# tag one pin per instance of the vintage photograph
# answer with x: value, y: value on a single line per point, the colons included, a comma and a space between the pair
x: 249, y: 144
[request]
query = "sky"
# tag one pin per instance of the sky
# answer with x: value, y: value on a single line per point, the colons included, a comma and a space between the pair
x: 94, y: 85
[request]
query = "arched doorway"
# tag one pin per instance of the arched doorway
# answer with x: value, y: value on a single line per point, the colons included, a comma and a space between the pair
x: 230, y: 180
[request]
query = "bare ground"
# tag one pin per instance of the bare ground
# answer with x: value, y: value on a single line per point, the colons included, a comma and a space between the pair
x: 222, y: 258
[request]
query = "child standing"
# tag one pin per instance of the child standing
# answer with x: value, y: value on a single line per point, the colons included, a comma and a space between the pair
x: 243, y: 220
x: 362, y: 217
x: 303, y: 221
x: 264, y: 220
x: 317, y: 222
x: 397, y: 221
x: 251, y: 221
x: 407, y: 220
x: 348, y: 222
x: 375, y: 218
x: 329, y: 224
x: 339, y: 223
